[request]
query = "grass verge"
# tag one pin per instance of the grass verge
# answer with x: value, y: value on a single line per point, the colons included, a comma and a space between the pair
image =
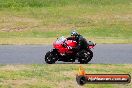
x: 49, y: 41
x: 57, y: 75
x: 49, y: 18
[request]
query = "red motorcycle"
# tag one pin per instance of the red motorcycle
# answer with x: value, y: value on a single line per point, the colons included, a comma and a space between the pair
x: 63, y: 51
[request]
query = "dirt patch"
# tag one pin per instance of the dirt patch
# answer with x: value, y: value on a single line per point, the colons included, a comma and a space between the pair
x: 20, y: 83
x: 13, y: 23
x: 14, y: 67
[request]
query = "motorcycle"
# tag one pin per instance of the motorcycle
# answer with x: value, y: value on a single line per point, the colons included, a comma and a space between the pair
x: 63, y: 51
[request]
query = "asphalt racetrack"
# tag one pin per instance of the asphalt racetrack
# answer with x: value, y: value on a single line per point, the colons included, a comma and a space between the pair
x: 34, y: 54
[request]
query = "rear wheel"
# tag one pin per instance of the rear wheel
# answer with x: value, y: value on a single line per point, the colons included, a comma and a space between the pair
x: 50, y: 57
x: 85, y: 56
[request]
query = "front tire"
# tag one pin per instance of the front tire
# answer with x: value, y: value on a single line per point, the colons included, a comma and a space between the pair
x: 50, y: 57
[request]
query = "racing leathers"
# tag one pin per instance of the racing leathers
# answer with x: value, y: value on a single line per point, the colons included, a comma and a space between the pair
x: 81, y: 42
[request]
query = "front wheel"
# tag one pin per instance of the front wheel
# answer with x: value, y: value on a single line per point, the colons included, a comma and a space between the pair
x: 50, y: 57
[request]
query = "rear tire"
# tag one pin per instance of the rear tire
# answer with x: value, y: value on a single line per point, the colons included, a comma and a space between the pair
x: 50, y: 57
x: 85, y: 56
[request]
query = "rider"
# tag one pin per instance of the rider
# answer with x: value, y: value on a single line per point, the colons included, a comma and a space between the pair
x: 81, y: 42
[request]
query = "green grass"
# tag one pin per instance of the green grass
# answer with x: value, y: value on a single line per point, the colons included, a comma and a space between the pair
x: 57, y: 75
x: 48, y: 18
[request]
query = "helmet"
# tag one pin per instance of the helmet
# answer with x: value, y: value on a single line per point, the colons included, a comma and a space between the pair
x: 74, y: 33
